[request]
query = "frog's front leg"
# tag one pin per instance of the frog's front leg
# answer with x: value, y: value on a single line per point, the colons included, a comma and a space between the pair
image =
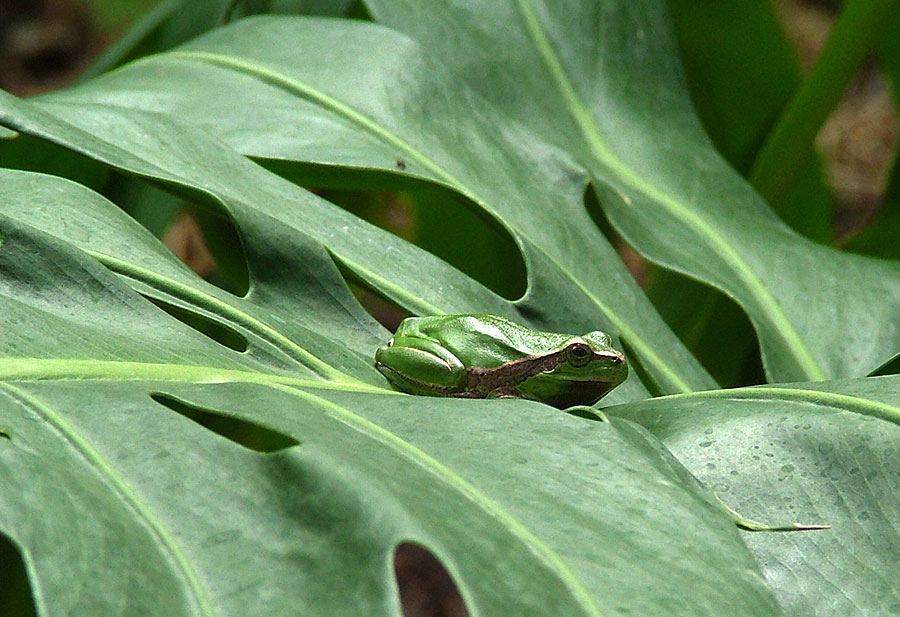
x: 420, y: 365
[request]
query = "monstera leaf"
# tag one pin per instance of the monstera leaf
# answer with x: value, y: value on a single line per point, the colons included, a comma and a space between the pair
x: 127, y: 488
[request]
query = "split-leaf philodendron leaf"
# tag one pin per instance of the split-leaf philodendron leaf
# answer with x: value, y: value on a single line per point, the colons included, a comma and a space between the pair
x: 121, y: 502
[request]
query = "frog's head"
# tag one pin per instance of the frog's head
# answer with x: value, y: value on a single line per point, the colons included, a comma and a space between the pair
x: 588, y: 367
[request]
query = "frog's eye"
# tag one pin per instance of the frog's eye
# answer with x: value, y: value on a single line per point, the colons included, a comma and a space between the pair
x: 578, y: 354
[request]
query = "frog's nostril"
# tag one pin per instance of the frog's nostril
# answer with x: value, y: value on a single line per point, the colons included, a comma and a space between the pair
x: 616, y: 357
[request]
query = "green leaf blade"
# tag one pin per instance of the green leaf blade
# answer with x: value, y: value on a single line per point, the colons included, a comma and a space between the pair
x: 813, y: 453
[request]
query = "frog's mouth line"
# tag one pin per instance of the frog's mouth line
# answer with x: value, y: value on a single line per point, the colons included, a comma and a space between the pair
x: 569, y: 379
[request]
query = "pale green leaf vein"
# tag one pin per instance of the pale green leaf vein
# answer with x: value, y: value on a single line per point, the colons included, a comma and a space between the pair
x: 223, y: 309
x: 835, y: 400
x: 846, y: 402
x: 34, y: 369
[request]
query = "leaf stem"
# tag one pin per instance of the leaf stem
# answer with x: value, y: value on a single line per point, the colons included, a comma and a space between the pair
x: 789, y: 145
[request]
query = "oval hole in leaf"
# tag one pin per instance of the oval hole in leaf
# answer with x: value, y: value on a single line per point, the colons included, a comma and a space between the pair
x: 16, y: 599
x: 201, y: 234
x: 250, y: 435
x: 426, y: 588
x: 445, y: 225
x: 218, y: 332
x: 463, y: 235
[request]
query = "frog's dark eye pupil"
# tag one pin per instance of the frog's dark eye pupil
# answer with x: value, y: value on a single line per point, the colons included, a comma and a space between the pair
x: 578, y: 354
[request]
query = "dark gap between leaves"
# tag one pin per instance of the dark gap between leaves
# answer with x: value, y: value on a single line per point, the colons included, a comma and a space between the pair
x: 891, y: 367
x: 587, y: 413
x: 426, y: 588
x: 434, y: 218
x: 637, y: 265
x: 381, y: 307
x: 16, y: 598
x: 222, y: 239
x: 635, y: 365
x: 250, y: 435
x: 218, y: 332
x: 449, y: 227
x: 28, y: 153
x: 711, y: 325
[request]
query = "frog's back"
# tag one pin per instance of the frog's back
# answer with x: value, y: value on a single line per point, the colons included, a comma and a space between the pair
x: 482, y: 339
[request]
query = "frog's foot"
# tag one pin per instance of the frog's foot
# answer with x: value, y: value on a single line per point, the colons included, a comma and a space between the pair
x: 505, y: 392
x: 588, y: 413
x: 465, y: 394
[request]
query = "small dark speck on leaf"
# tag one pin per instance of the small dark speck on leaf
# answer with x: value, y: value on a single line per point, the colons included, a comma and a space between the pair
x: 401, y: 164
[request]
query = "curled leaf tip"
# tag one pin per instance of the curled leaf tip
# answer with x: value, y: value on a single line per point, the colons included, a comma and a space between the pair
x: 802, y: 527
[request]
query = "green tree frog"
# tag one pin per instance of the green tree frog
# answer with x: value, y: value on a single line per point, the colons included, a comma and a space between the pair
x: 482, y: 355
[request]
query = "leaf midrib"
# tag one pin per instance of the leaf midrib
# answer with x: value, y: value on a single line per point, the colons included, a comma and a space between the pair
x: 792, y: 393
x: 39, y: 369
x: 604, y: 155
